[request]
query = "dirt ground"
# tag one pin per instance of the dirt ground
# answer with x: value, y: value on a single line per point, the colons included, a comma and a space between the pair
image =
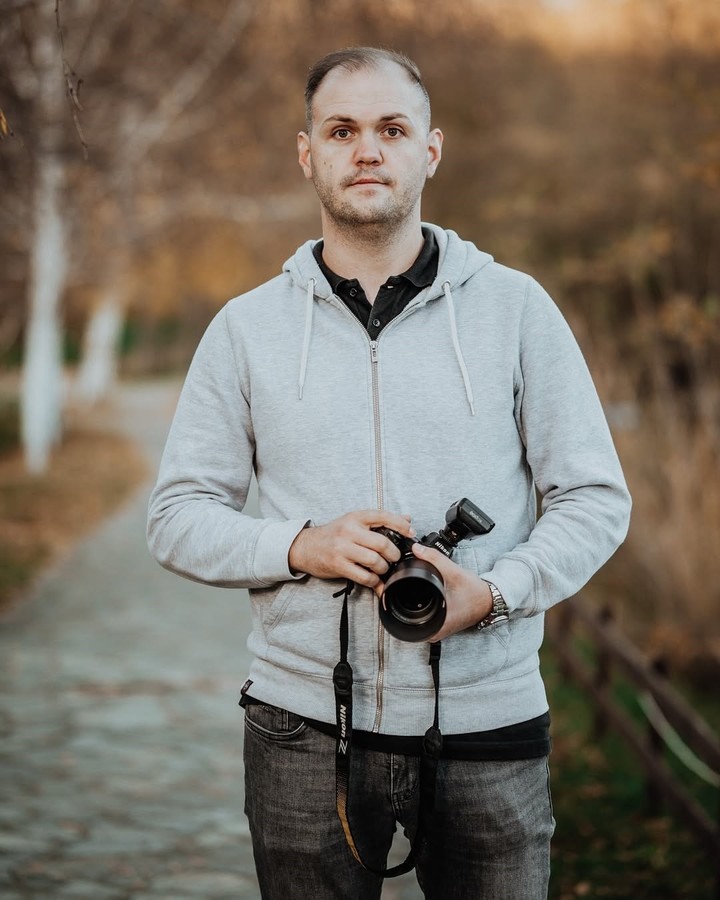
x: 92, y: 471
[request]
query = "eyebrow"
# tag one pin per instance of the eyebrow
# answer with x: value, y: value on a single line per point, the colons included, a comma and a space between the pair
x: 351, y: 120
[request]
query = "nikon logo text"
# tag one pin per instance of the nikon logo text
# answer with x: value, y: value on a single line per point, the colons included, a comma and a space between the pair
x: 343, y: 729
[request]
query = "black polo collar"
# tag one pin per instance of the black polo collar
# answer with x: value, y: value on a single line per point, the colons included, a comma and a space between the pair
x: 421, y: 273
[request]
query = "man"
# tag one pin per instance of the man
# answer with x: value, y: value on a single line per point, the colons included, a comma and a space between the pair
x: 391, y: 369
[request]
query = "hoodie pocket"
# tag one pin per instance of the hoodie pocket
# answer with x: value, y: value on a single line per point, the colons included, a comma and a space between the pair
x: 301, y: 625
x: 473, y: 656
x: 277, y: 606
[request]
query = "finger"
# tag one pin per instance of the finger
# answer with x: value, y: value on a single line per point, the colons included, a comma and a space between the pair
x: 400, y: 522
x: 362, y: 576
x: 369, y: 559
x: 382, y: 545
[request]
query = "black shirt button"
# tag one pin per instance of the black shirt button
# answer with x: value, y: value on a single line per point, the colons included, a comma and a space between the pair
x: 376, y: 323
x: 353, y: 292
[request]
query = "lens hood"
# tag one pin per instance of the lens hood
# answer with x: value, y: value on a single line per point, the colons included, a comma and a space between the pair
x: 413, y: 602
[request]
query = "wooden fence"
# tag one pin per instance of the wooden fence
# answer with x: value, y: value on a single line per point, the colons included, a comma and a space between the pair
x: 669, y: 718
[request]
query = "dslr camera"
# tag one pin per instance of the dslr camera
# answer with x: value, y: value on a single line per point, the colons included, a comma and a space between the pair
x: 413, y: 602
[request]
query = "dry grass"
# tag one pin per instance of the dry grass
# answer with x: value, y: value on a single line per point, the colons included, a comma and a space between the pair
x: 41, y: 516
x: 674, y: 544
x: 664, y: 583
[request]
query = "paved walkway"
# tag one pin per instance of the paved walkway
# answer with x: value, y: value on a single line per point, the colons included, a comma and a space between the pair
x: 120, y: 736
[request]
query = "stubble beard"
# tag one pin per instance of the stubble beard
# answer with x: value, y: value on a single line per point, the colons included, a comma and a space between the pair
x: 376, y: 218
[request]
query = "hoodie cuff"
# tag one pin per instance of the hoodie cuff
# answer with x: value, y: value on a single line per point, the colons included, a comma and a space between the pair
x: 272, y: 548
x: 515, y: 581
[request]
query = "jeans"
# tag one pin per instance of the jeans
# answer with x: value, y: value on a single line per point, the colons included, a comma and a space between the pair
x: 490, y: 836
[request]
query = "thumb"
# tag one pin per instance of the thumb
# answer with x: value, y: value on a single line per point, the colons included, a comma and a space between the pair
x: 431, y: 555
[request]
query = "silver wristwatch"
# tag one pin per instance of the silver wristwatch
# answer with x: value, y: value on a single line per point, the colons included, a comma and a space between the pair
x: 498, y: 613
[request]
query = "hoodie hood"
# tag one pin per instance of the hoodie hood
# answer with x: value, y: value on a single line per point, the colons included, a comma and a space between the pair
x: 459, y: 260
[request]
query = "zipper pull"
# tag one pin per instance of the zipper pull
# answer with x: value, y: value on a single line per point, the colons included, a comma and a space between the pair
x: 373, y: 351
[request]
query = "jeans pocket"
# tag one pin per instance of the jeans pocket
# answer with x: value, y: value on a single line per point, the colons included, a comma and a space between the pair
x: 273, y: 723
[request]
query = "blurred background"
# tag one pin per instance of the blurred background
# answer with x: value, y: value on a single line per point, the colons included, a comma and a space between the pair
x: 149, y: 173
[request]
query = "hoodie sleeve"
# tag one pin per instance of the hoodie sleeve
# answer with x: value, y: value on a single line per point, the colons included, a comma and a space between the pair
x: 196, y: 524
x: 585, y: 504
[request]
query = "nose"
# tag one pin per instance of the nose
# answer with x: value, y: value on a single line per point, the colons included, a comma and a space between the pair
x: 367, y: 149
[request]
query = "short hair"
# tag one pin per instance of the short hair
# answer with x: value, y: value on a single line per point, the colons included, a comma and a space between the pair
x: 353, y: 59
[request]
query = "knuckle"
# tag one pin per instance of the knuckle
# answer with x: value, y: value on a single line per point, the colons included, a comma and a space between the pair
x: 393, y: 554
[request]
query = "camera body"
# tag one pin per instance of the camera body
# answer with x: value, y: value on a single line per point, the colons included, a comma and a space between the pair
x: 413, y: 604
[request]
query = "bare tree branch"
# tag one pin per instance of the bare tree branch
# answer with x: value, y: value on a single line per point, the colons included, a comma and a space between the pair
x: 19, y: 67
x: 72, y: 83
x: 101, y: 27
x: 190, y: 83
x: 201, y: 120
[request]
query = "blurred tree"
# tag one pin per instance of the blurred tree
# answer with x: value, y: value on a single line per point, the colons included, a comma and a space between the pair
x: 32, y: 65
x: 140, y: 105
x: 157, y: 77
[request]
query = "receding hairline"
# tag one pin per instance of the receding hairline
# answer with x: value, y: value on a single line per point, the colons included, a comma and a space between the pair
x: 357, y: 59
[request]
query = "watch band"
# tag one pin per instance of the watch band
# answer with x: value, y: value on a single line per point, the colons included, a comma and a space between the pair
x: 498, y: 613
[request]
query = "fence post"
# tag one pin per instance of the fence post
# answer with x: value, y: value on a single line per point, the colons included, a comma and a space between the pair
x: 653, y: 795
x: 602, y: 676
x: 563, y: 629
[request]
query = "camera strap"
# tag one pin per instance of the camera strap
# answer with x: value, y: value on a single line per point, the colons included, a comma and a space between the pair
x: 431, y: 749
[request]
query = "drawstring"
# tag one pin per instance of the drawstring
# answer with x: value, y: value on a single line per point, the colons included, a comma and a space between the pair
x: 306, y: 338
x: 309, y: 300
x: 458, y: 351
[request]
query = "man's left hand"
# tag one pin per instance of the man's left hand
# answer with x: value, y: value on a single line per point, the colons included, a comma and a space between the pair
x: 467, y: 595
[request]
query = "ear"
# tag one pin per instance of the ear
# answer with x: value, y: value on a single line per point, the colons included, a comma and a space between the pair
x: 303, y: 145
x: 435, y: 142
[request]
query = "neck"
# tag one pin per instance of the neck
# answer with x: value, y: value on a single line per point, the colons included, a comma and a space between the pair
x: 371, y: 253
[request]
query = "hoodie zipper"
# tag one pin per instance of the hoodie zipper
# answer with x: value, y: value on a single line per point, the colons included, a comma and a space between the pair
x: 380, y: 498
x: 376, y: 420
x: 381, y: 636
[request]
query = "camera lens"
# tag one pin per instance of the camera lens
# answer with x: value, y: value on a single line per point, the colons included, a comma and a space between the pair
x: 413, y: 604
x: 413, y: 601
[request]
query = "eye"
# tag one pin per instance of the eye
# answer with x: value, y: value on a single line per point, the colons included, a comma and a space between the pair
x: 393, y: 131
x: 341, y: 133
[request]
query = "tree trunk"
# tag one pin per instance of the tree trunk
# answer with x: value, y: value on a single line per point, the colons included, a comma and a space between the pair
x: 41, y: 394
x: 41, y: 398
x: 98, y: 370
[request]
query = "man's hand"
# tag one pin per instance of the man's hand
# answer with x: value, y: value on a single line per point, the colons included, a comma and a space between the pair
x: 348, y: 548
x: 468, y: 596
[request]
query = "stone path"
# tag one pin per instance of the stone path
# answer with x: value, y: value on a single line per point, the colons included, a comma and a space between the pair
x: 120, y: 736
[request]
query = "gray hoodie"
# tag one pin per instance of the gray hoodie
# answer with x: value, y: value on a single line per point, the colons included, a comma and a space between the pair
x: 477, y: 389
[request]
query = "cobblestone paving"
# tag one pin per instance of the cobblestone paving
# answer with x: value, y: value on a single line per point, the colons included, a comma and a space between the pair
x: 120, y: 736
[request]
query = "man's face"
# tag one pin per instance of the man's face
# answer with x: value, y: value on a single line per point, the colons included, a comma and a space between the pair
x: 369, y: 151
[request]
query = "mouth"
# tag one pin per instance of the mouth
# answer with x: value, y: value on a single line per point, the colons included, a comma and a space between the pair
x: 361, y: 182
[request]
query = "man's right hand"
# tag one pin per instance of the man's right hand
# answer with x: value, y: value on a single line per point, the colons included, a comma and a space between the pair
x: 347, y: 547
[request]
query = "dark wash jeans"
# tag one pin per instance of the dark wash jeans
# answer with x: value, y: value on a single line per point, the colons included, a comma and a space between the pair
x: 491, y: 828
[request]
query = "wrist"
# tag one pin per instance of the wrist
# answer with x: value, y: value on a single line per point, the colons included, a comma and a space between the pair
x: 295, y: 557
x: 499, y: 611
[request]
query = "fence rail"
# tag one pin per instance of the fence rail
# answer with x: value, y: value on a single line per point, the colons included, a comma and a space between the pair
x: 614, y: 652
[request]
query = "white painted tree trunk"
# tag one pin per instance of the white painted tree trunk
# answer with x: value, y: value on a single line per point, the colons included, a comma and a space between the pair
x: 41, y: 397
x: 41, y: 393
x: 98, y: 369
